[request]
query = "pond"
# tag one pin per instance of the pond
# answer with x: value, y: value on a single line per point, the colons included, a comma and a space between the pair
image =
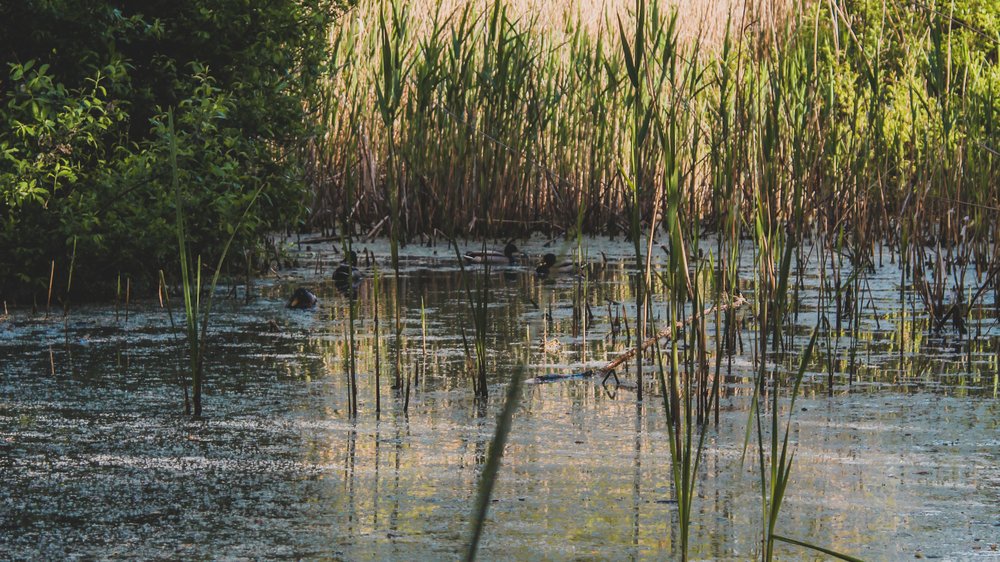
x: 897, y: 448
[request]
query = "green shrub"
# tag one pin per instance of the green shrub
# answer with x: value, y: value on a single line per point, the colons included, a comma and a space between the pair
x: 82, y: 144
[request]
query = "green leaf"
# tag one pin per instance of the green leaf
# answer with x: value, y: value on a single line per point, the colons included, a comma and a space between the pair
x: 630, y: 67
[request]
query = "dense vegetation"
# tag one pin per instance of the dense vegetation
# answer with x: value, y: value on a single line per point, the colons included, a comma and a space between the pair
x: 876, y: 110
x: 84, y: 91
x: 857, y: 122
x: 877, y: 119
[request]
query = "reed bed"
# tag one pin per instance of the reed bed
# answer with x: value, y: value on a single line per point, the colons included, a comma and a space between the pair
x: 855, y: 125
x: 483, y: 119
x: 859, y: 125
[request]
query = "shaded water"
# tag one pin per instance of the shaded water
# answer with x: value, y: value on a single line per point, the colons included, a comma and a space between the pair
x: 896, y: 452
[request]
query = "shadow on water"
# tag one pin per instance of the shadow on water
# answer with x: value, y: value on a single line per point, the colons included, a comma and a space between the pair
x: 896, y: 437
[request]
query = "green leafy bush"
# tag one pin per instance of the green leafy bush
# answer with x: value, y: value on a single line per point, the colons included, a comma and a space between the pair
x: 83, y: 94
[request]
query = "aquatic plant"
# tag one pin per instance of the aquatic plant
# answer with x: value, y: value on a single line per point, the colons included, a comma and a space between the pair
x: 831, y: 122
x: 191, y: 284
x: 494, y: 124
x: 658, y: 122
x: 779, y: 463
x: 479, y: 306
x: 634, y: 54
x: 376, y: 296
x: 487, y: 480
x: 163, y: 294
x: 352, y: 375
x: 389, y: 96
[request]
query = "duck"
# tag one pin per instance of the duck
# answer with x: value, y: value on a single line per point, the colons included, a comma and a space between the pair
x: 549, y: 265
x: 347, y: 272
x: 509, y: 256
x: 303, y: 299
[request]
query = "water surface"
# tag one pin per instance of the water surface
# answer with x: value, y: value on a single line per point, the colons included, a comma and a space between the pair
x: 896, y: 434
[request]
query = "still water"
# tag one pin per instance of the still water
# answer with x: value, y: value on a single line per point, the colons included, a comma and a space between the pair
x: 896, y: 434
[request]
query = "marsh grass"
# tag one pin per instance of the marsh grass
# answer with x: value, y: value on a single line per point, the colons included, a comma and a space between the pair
x: 491, y: 469
x: 163, y: 293
x: 66, y: 294
x: 777, y: 459
x: 191, y: 283
x: 490, y: 120
x: 856, y: 126
x: 52, y: 276
x: 478, y: 303
x: 376, y: 296
x: 119, y: 298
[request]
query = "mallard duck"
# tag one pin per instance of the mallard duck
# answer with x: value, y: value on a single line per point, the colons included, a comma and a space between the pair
x: 303, y: 299
x: 347, y: 272
x: 509, y: 256
x: 549, y: 266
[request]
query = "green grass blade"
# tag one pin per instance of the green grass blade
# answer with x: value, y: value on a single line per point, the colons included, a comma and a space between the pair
x: 827, y: 551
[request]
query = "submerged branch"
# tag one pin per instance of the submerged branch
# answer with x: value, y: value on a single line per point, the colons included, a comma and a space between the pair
x: 668, y: 333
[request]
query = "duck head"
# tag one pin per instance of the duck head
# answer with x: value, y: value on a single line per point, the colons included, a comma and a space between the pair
x: 548, y: 260
x: 303, y: 299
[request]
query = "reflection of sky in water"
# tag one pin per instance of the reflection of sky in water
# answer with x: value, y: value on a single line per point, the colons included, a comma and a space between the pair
x: 97, y: 461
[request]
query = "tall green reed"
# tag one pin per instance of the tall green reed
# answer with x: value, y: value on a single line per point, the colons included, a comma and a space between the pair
x: 489, y: 123
x: 479, y: 306
x: 395, y: 68
x: 491, y: 469
x: 164, y: 291
x: 191, y: 283
x: 780, y: 462
x: 376, y: 296
x: 634, y: 51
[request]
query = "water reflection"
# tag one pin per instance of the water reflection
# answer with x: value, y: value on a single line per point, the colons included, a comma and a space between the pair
x: 896, y: 431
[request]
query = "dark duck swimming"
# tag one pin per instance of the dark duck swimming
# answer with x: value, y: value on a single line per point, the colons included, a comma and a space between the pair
x: 509, y: 256
x: 347, y: 273
x: 303, y: 299
x: 550, y: 266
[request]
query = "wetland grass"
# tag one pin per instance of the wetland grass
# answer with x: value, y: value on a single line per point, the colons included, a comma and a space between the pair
x: 52, y: 276
x: 488, y: 121
x: 657, y: 122
x: 389, y: 97
x: 191, y: 283
x: 69, y: 287
x: 491, y: 468
x: 479, y: 308
x: 348, y: 285
x: 352, y: 375
x: 376, y: 296
x: 779, y: 464
x: 797, y: 126
x: 163, y: 294
x: 118, y: 295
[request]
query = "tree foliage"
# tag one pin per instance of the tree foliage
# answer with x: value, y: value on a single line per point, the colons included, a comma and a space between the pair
x: 84, y: 89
